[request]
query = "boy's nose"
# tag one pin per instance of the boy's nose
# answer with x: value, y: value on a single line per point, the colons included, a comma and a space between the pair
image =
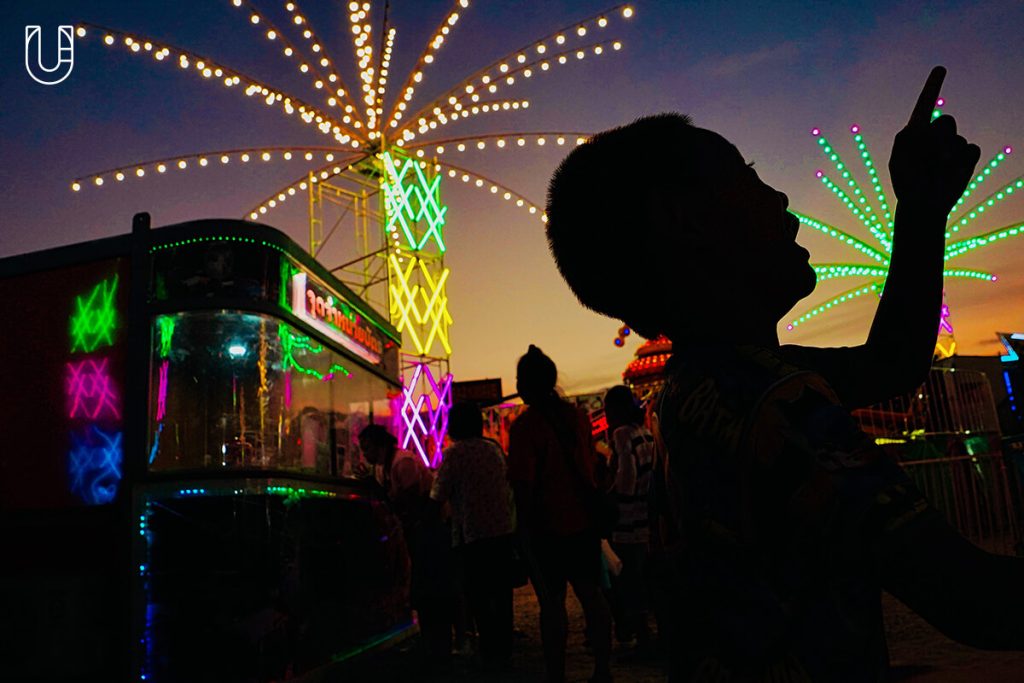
x: 785, y: 200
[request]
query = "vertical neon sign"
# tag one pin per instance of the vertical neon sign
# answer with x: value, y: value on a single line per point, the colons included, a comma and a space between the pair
x: 93, y: 397
x: 426, y: 436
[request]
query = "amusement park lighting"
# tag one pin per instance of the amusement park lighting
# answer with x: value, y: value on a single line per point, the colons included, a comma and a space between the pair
x: 871, y: 208
x: 394, y: 139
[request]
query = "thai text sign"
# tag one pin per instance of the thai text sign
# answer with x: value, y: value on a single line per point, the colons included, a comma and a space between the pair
x: 328, y: 312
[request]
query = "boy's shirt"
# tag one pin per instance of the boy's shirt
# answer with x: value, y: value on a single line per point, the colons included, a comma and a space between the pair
x: 777, y: 500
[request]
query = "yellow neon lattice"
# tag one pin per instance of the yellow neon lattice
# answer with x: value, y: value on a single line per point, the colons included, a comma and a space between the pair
x: 944, y: 350
x: 419, y: 304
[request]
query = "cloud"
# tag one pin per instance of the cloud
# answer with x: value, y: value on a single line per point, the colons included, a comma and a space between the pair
x: 736, y: 64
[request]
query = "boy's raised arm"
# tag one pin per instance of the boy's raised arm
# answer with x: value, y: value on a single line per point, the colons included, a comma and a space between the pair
x: 930, y: 166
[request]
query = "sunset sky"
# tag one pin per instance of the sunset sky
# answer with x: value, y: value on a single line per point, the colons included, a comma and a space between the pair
x: 763, y: 74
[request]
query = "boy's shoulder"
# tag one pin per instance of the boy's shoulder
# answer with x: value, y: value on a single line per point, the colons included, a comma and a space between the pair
x: 720, y: 394
x: 740, y: 374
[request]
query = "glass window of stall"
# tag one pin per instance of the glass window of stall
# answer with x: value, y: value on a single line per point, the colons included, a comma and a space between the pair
x: 242, y: 390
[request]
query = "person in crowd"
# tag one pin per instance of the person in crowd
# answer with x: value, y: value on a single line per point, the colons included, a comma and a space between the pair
x: 632, y: 459
x: 402, y: 473
x: 472, y: 480
x: 788, y: 519
x: 551, y: 469
x: 408, y: 481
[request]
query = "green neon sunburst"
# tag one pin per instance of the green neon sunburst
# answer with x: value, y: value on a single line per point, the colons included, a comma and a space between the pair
x: 877, y: 218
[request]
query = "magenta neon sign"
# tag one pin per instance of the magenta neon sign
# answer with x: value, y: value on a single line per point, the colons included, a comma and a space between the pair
x: 425, y: 416
x: 91, y: 391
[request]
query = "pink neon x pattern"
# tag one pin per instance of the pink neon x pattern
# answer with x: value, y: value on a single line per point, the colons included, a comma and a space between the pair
x: 425, y: 414
x: 91, y: 391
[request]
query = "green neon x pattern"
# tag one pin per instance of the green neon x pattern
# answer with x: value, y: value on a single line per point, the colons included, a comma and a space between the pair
x: 409, y: 198
x: 95, y: 317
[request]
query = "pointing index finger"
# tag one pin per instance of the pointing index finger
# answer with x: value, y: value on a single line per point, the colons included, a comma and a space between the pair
x: 922, y: 113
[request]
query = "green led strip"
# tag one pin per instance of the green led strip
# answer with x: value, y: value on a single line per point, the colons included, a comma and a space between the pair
x: 291, y: 341
x: 216, y: 238
x: 880, y: 195
x: 829, y: 271
x: 843, y: 237
x: 874, y: 227
x: 971, y: 243
x: 992, y: 165
x: 988, y: 202
x: 867, y: 215
x: 880, y: 223
x: 845, y: 297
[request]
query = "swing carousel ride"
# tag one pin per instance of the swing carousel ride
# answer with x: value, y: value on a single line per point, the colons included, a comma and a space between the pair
x: 872, y: 210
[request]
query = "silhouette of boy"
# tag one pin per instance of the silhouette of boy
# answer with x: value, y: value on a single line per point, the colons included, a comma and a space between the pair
x: 787, y: 519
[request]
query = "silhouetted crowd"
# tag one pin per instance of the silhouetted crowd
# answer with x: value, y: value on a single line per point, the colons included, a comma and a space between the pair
x: 557, y: 510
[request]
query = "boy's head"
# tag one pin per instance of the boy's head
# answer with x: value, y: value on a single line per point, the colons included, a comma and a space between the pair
x: 665, y: 226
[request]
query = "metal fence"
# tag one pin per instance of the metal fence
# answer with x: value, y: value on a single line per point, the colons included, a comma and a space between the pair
x: 946, y: 436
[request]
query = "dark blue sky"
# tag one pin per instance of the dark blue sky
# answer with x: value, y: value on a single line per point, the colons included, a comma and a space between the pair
x: 760, y: 73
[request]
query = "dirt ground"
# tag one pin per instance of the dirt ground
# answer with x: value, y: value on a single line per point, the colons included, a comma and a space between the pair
x: 919, y: 654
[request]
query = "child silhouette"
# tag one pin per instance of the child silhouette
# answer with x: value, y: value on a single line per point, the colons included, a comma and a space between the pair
x: 786, y: 520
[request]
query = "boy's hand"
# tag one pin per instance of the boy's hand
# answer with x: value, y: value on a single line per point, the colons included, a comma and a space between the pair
x: 930, y: 164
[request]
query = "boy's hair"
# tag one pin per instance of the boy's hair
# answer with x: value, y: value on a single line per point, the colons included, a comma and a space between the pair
x: 465, y: 421
x: 598, y: 223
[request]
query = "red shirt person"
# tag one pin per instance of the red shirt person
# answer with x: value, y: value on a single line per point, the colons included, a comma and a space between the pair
x: 550, y: 460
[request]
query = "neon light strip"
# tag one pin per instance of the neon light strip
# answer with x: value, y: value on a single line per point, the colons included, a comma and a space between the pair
x: 331, y: 332
x: 290, y: 342
x: 988, y: 202
x: 1009, y: 390
x: 843, y: 237
x: 981, y: 177
x: 161, y: 394
x: 972, y: 243
x: 835, y: 301
x: 406, y: 310
x: 876, y: 184
x: 91, y: 391
x: 94, y: 465
x: 873, y: 226
x: 95, y: 317
x: 165, y: 327
x: 944, y: 320
x: 398, y: 191
x: 1010, y: 356
x: 438, y: 402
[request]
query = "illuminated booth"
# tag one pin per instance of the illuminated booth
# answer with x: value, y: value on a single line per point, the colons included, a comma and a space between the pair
x: 181, y: 416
